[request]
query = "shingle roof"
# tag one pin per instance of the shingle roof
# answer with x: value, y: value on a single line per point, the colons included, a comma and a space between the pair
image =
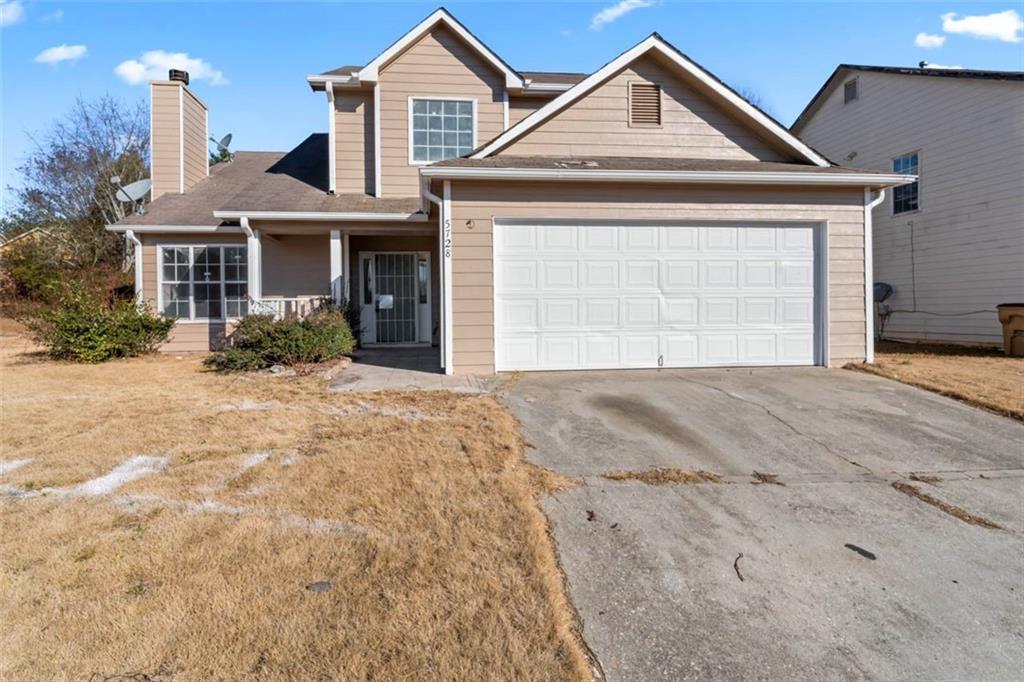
x: 629, y: 163
x: 265, y: 181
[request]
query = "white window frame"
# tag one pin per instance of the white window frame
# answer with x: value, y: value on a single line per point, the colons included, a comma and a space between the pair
x: 191, y: 283
x: 892, y: 202
x: 446, y: 98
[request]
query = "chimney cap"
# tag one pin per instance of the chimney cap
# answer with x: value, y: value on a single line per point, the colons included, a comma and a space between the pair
x: 178, y: 75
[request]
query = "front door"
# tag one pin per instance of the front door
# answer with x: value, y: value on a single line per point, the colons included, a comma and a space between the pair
x: 395, y: 298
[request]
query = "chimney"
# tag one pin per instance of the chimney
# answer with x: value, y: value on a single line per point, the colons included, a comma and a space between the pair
x: 177, y: 135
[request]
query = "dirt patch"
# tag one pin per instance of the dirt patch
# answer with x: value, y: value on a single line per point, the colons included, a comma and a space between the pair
x: 952, y: 510
x: 418, y: 509
x: 665, y: 476
x: 982, y: 377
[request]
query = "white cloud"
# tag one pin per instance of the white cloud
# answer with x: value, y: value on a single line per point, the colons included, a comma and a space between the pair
x: 61, y: 53
x: 154, y: 64
x: 11, y: 12
x: 929, y: 40
x: 929, y: 65
x: 614, y: 12
x: 1005, y: 26
x: 56, y: 15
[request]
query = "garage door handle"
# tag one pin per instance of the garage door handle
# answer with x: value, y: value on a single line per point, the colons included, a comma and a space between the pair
x: 661, y: 361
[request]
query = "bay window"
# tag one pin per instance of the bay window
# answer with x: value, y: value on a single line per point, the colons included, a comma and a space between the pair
x: 203, y: 282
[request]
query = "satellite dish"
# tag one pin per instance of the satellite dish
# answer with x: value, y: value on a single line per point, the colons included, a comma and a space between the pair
x: 134, y: 191
x: 222, y: 145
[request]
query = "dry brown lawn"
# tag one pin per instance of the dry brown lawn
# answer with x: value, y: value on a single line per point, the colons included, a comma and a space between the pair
x: 418, y: 508
x: 983, y: 377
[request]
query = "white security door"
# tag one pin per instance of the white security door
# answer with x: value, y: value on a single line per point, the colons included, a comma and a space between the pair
x: 599, y: 296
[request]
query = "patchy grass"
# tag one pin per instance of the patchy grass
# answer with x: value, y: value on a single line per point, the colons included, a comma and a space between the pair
x: 664, y: 476
x: 983, y: 377
x: 282, y: 532
x: 951, y: 509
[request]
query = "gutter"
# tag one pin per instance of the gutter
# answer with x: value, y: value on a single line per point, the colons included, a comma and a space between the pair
x: 707, y: 177
x: 137, y: 258
x: 198, y: 229
x: 416, y: 217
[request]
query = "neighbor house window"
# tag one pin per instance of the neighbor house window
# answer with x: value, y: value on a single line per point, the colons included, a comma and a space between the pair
x: 645, y: 105
x: 203, y: 282
x: 905, y: 197
x: 441, y: 129
x: 850, y: 91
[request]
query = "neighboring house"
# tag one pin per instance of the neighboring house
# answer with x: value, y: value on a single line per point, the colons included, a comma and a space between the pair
x: 28, y: 236
x: 952, y: 243
x: 644, y: 215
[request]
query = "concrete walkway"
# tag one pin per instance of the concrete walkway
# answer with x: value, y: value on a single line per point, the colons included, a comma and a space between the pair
x: 403, y: 369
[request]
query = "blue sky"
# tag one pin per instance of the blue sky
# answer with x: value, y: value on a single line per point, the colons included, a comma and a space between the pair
x: 255, y: 55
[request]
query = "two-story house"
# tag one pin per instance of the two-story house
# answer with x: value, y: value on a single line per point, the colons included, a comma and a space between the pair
x: 643, y: 215
x: 951, y: 244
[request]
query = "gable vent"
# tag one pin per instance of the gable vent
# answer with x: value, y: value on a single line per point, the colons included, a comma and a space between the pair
x: 644, y: 104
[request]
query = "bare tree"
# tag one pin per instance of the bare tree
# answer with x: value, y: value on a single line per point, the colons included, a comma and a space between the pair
x: 755, y: 98
x: 66, y: 177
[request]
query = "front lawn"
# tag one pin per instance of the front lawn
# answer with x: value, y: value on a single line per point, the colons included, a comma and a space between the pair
x: 983, y: 377
x: 165, y: 522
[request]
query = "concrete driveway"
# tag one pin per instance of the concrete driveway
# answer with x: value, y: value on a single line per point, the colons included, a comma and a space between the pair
x: 655, y: 570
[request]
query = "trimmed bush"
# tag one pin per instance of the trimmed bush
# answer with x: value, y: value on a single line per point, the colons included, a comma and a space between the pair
x: 259, y: 341
x: 84, y: 329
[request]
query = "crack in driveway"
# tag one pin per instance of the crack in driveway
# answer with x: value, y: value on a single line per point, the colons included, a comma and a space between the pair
x: 777, y: 418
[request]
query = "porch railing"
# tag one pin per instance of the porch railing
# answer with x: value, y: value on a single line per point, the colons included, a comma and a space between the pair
x: 282, y: 308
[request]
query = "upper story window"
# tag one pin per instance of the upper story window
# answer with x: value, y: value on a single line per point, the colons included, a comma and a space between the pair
x: 441, y: 128
x: 645, y: 105
x: 850, y: 91
x: 905, y: 197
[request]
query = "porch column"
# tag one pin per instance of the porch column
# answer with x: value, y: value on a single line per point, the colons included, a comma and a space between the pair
x: 339, y: 266
x: 254, y: 261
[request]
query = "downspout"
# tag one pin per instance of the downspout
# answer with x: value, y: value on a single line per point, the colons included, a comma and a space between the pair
x: 137, y: 257
x: 254, y: 260
x: 437, y: 201
x: 869, y: 273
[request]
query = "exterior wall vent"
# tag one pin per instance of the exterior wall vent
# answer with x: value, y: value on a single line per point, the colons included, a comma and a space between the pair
x: 644, y: 104
x: 849, y: 91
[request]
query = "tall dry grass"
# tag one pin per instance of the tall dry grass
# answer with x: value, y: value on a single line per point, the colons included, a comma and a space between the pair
x: 418, y: 508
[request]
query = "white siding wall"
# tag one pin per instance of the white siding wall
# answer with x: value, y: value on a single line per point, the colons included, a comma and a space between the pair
x: 968, y: 236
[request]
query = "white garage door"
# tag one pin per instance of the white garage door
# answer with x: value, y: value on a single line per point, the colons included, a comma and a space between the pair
x: 598, y: 296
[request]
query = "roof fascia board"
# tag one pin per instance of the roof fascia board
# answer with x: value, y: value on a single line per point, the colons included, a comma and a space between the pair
x: 371, y: 72
x: 812, y: 106
x: 183, y: 229
x: 320, y: 216
x: 704, y: 177
x: 653, y: 42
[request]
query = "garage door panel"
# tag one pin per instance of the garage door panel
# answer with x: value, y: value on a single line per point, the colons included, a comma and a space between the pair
x: 604, y: 296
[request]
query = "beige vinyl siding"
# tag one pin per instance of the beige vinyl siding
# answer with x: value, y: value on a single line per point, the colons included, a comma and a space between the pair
x: 353, y: 141
x: 195, y: 141
x: 439, y: 64
x: 164, y: 132
x: 521, y: 107
x: 693, y: 126
x: 178, y: 125
x: 473, y: 260
x: 968, y: 235
x: 296, y: 265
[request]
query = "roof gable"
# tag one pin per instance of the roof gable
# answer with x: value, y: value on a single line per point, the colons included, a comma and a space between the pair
x: 441, y: 16
x: 736, y: 105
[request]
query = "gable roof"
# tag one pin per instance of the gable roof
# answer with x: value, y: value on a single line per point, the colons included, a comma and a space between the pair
x: 830, y: 83
x: 371, y: 72
x: 654, y: 43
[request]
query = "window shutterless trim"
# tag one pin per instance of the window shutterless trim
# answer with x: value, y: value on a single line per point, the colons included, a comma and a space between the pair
x: 917, y: 180
x: 191, y: 280
x: 438, y: 98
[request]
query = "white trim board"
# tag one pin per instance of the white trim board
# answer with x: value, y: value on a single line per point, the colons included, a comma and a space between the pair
x: 332, y: 162
x: 316, y: 215
x: 656, y: 44
x: 712, y: 177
